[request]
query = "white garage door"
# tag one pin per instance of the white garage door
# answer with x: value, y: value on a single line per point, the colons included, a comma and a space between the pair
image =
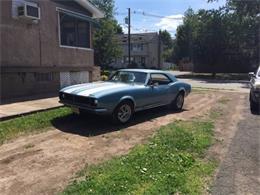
x: 72, y: 78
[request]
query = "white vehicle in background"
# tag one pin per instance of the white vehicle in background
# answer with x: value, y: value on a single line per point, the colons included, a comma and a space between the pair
x: 255, y: 90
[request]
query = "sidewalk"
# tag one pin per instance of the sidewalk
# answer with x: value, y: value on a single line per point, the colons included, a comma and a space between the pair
x: 26, y: 107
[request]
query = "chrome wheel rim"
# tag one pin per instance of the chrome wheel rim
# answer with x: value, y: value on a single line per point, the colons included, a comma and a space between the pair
x: 180, y: 101
x: 124, y: 113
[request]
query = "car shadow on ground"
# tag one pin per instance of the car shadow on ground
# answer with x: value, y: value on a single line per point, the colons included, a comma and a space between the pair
x: 92, y: 125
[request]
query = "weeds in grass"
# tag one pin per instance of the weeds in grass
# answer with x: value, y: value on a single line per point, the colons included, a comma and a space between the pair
x: 224, y: 100
x: 172, y: 162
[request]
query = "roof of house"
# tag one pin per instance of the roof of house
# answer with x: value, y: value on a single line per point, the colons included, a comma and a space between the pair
x: 90, y: 7
x: 137, y: 37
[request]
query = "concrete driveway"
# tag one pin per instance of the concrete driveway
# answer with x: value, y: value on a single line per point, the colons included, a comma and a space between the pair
x: 239, y: 171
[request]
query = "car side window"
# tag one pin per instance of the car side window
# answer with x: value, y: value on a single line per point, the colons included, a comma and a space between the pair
x: 161, y: 79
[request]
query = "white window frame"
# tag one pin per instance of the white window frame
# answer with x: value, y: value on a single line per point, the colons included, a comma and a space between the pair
x: 59, y: 10
x: 32, y: 5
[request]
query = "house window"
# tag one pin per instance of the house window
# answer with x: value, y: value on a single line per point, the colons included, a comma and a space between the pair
x: 74, y: 32
x: 137, y: 47
x: 143, y: 60
x: 126, y: 59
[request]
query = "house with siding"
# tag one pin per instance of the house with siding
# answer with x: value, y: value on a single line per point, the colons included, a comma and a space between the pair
x: 46, y: 45
x: 146, y: 50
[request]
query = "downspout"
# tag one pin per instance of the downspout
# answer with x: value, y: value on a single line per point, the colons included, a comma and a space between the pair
x: 40, y: 45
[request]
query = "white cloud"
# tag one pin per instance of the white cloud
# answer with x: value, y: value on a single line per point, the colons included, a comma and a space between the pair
x: 133, y: 29
x: 171, y: 22
x: 124, y: 27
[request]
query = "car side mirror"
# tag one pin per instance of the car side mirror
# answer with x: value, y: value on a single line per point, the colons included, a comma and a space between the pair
x: 153, y: 84
x: 251, y: 74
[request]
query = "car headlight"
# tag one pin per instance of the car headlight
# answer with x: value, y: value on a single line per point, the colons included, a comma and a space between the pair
x: 94, y: 102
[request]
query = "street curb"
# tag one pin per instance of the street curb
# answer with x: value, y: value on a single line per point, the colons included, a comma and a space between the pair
x: 4, y: 118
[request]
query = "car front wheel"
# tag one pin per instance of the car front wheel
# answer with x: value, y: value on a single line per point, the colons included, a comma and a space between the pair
x: 123, y: 112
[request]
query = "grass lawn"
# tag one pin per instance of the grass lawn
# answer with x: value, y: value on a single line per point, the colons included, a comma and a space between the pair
x: 173, y: 161
x: 30, y: 123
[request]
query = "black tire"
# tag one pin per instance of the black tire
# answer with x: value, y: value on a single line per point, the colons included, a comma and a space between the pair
x: 254, y: 106
x: 124, y: 108
x: 177, y: 104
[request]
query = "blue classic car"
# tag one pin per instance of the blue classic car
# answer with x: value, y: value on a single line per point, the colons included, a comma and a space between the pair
x: 127, y: 91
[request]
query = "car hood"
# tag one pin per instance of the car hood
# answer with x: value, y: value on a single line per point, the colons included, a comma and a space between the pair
x: 93, y: 89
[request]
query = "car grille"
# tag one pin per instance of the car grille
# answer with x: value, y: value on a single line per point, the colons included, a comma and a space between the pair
x: 75, y: 99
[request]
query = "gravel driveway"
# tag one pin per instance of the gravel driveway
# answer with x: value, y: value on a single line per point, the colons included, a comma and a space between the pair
x: 239, y: 172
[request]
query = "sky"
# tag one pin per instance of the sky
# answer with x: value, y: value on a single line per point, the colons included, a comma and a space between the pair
x: 170, y: 13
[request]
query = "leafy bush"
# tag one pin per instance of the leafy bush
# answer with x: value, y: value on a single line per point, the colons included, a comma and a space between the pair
x: 104, y: 77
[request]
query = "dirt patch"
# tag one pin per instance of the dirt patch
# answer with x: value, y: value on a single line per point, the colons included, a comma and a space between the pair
x: 73, y: 142
x: 225, y: 126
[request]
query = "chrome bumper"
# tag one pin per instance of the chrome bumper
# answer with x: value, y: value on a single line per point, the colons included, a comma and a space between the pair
x: 86, y: 108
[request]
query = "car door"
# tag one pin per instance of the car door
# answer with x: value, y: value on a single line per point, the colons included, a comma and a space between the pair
x: 159, y: 89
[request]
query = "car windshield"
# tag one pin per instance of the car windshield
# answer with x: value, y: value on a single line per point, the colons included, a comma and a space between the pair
x: 129, y: 77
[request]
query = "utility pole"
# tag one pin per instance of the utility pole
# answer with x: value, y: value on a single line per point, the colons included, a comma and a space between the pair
x: 258, y: 40
x: 129, y: 36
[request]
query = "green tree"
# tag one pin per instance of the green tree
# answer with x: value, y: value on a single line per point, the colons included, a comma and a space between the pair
x: 166, y: 39
x: 243, y: 28
x: 105, y: 43
x: 243, y: 7
x: 222, y: 40
x: 167, y: 43
x: 183, y: 44
x: 107, y: 6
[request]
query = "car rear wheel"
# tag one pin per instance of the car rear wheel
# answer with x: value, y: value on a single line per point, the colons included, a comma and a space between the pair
x: 123, y: 112
x: 177, y: 104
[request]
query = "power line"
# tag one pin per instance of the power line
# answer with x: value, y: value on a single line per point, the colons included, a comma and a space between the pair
x: 149, y: 15
x: 120, y: 13
x: 146, y: 14
x: 156, y: 16
x: 144, y: 29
